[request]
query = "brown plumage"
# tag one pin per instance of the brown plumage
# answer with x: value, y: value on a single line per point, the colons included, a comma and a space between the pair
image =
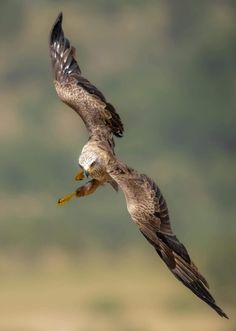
x: 149, y: 211
x: 145, y: 203
x: 99, y: 116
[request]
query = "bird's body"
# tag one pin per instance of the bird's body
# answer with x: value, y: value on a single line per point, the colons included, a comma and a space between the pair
x: 145, y: 203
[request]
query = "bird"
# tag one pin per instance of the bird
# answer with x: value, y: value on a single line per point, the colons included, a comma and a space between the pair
x: 99, y: 116
x: 145, y: 202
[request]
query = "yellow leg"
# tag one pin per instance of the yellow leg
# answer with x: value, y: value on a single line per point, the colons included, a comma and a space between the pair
x: 82, y: 191
x: 79, y: 175
x: 66, y: 198
x: 88, y: 188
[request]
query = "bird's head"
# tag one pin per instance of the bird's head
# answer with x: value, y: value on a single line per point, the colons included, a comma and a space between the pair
x: 91, y: 163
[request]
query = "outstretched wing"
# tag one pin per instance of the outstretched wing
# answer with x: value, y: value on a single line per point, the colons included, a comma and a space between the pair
x: 149, y: 211
x: 76, y: 91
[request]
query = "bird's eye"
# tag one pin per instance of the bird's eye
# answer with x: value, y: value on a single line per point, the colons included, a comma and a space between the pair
x: 93, y: 164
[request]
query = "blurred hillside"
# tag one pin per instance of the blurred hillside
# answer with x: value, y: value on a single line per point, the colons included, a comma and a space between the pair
x: 169, y: 68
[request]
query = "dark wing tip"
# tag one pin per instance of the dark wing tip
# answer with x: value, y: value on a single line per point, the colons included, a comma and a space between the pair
x: 59, y: 18
x: 56, y: 29
x: 186, y: 272
x: 221, y: 312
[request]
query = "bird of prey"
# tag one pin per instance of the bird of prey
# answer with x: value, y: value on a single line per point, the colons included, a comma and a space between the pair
x: 99, y: 116
x: 145, y: 203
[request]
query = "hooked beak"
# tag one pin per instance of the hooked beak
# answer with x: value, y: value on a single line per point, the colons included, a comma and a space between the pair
x: 86, y: 173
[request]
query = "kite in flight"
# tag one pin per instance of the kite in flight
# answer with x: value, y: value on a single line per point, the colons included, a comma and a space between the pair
x: 145, y: 203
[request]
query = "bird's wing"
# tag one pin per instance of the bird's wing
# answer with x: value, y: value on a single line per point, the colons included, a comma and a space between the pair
x: 76, y: 91
x: 149, y: 211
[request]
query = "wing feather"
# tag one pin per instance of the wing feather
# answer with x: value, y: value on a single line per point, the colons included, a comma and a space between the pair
x: 149, y: 211
x: 76, y: 91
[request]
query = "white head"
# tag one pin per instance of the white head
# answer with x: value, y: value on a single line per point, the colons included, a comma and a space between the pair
x: 87, y: 159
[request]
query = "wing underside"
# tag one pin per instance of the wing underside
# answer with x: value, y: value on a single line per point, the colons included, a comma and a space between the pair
x: 76, y: 91
x: 149, y: 211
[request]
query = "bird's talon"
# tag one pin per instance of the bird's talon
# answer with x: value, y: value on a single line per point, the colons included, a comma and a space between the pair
x: 80, y: 175
x: 65, y: 199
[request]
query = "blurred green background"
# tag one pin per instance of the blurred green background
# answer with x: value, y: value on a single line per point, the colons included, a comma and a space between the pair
x: 169, y: 68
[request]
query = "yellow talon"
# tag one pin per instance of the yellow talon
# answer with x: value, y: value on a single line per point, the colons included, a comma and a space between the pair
x: 66, y: 198
x: 80, y: 175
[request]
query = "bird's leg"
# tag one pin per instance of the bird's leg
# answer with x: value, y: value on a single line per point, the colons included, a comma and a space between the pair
x: 82, y: 191
x: 66, y: 198
x: 80, y: 174
x: 88, y: 188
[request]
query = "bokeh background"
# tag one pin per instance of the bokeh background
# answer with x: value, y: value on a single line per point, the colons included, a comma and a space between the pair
x: 169, y: 67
